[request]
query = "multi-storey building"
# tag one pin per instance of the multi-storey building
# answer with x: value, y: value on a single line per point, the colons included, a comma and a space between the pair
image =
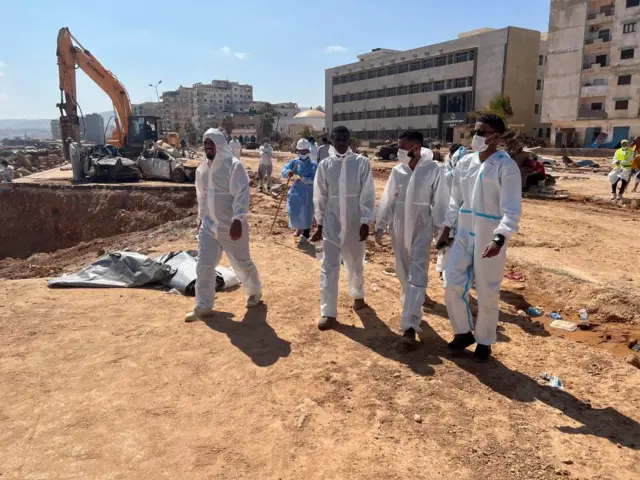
x: 56, y: 133
x: 434, y: 88
x: 593, y: 73
x: 203, y: 103
x: 92, y: 128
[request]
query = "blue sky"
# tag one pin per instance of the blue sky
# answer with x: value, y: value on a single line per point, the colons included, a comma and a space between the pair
x: 281, y: 47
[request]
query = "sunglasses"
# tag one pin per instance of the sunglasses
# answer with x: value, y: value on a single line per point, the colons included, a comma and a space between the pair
x: 481, y: 133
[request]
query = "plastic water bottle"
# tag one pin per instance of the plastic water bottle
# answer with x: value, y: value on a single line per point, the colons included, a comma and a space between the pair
x: 553, y: 380
x: 584, y: 317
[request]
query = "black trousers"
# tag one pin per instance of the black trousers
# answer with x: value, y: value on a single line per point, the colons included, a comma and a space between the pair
x: 623, y: 186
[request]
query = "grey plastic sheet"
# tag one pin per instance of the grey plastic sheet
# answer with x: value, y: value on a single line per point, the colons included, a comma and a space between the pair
x: 117, y: 270
x: 184, y: 265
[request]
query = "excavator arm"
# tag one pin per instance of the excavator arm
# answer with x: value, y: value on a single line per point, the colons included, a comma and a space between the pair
x: 70, y: 55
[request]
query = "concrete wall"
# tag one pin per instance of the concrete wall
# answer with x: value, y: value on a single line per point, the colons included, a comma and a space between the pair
x: 567, y: 21
x: 492, y: 47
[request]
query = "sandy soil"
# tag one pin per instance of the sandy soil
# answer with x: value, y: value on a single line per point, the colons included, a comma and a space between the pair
x: 113, y: 384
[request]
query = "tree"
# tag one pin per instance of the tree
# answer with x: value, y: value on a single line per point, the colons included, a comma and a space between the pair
x: 500, y: 105
x: 227, y: 124
x: 267, y: 115
x: 319, y: 108
x: 305, y: 132
x: 192, y: 132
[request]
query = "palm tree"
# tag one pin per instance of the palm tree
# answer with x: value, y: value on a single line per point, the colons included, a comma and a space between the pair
x: 227, y: 124
x: 500, y: 105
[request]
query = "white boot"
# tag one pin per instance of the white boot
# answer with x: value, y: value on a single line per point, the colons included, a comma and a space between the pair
x: 254, y: 300
x: 199, y: 314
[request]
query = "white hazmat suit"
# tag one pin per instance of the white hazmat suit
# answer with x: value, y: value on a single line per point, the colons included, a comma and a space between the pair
x: 77, y: 168
x: 222, y: 189
x: 236, y: 147
x: 344, y: 198
x: 485, y: 201
x: 265, y: 166
x: 412, y: 204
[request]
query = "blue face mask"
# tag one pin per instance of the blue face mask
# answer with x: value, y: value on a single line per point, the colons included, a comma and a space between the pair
x: 304, y: 157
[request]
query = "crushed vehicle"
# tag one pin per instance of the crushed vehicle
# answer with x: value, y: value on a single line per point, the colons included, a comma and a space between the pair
x: 102, y: 164
x: 160, y: 161
x: 387, y: 152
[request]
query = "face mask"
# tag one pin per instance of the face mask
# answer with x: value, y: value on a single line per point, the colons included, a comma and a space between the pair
x: 403, y: 156
x: 479, y: 144
x: 304, y: 157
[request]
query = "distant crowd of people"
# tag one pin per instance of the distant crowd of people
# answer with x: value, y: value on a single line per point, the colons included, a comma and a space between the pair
x: 468, y: 204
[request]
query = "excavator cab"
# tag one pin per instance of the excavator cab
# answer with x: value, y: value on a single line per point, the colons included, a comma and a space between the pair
x: 142, y: 128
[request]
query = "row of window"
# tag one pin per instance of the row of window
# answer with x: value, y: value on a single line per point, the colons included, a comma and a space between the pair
x: 387, y: 113
x: 412, y: 66
x: 405, y: 90
x: 619, y: 105
x: 428, y: 133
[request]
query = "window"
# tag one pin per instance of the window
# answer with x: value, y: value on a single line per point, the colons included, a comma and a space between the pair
x: 390, y: 113
x: 402, y: 112
x: 540, y: 60
x: 352, y: 97
x: 596, y: 106
x: 392, y: 70
x: 539, y: 133
x: 461, y: 57
x: 450, y: 58
x: 538, y: 84
x: 404, y: 68
x: 548, y: 133
x: 415, y: 88
x: 470, y: 82
x: 449, y: 83
x: 599, y: 81
x: 336, y: 99
x: 471, y: 54
x: 622, y: 104
x: 428, y: 63
x: 362, y: 76
x: 372, y: 74
x: 391, y: 92
x: 414, y: 66
x: 425, y: 110
x: 633, y: 3
x: 627, y: 53
x: 536, y: 108
x: 352, y: 116
x: 361, y: 96
x: 371, y: 115
x: 353, y: 77
x: 438, y: 85
x: 413, y: 111
x: 379, y: 113
x: 624, y: 80
x: 427, y: 87
x: 629, y: 27
x: 460, y: 83
x: 440, y: 61
x: 403, y: 90
x: 372, y: 94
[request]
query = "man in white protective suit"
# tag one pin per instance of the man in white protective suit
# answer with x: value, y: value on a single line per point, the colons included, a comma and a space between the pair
x: 236, y: 147
x: 486, y: 199
x: 413, y: 205
x: 222, y: 189
x: 344, y: 198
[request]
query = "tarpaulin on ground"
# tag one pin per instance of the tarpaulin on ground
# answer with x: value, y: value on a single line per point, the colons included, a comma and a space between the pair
x: 175, y: 270
x: 117, y: 269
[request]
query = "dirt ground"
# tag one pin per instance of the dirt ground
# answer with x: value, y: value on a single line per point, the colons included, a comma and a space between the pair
x: 112, y: 384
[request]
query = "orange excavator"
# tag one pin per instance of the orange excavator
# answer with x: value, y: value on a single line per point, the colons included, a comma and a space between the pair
x: 131, y: 131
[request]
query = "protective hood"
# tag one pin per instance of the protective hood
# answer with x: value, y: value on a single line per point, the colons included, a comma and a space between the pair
x: 223, y: 150
x: 334, y: 153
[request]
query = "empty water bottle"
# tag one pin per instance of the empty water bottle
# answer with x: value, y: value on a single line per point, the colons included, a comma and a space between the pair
x: 552, y: 380
x: 584, y: 317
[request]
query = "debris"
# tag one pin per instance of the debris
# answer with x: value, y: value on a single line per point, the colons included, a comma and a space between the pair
x: 374, y: 287
x: 553, y: 381
x: 174, y: 291
x: 554, y: 315
x: 521, y: 313
x: 534, y: 311
x: 564, y: 325
x: 584, y: 318
x: 417, y: 418
x: 636, y: 347
x: 389, y: 271
x: 515, y: 276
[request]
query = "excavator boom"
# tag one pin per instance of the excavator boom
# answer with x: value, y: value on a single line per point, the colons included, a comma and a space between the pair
x: 70, y: 56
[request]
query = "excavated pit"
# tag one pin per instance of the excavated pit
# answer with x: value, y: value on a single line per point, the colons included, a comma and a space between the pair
x: 45, y: 218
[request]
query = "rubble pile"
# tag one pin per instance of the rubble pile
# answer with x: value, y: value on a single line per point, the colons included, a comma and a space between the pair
x: 32, y: 160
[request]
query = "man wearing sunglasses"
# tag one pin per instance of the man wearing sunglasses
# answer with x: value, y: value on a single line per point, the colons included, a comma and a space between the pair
x: 486, y: 200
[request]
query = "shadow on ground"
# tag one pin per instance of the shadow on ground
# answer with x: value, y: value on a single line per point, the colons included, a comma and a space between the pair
x: 252, y: 335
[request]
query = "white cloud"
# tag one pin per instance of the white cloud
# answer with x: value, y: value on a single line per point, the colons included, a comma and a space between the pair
x: 228, y: 52
x: 335, y: 49
x: 3, y: 96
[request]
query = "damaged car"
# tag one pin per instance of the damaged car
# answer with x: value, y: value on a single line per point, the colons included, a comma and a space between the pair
x: 160, y: 161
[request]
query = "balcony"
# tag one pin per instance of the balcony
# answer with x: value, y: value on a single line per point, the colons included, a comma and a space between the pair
x: 605, y: 14
x: 588, y: 114
x: 595, y: 67
x: 594, y: 90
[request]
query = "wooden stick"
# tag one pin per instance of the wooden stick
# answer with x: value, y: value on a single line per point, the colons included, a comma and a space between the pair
x: 284, y: 194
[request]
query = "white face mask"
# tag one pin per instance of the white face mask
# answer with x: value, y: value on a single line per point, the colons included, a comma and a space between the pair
x: 479, y: 144
x: 304, y: 157
x: 403, y: 156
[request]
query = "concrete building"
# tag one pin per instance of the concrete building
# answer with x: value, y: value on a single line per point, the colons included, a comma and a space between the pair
x: 201, y: 104
x: 56, y: 133
x: 593, y: 72
x: 92, y: 128
x: 433, y: 88
x: 285, y: 113
x: 147, y: 108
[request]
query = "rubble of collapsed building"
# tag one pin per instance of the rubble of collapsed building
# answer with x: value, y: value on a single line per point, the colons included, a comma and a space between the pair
x: 32, y: 160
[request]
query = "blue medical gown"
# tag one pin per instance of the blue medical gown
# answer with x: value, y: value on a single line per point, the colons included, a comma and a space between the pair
x: 300, y: 197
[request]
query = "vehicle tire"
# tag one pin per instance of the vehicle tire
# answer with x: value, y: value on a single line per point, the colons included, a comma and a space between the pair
x: 391, y: 156
x: 178, y: 175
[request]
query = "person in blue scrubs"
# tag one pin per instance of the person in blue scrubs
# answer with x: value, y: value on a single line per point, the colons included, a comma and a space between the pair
x: 302, y: 171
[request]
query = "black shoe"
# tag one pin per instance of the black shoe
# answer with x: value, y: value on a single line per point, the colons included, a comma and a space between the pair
x: 326, y: 323
x: 461, y: 341
x: 409, y: 337
x: 482, y: 353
